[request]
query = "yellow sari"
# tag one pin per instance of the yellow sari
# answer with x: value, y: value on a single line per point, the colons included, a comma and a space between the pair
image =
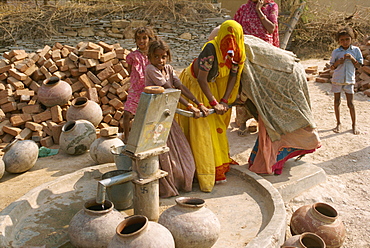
x: 207, y: 136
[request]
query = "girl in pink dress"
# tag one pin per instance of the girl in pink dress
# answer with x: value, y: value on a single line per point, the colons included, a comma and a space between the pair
x: 179, y: 161
x: 137, y: 62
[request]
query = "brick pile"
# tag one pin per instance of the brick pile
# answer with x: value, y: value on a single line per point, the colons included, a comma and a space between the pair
x: 97, y: 71
x: 362, y: 74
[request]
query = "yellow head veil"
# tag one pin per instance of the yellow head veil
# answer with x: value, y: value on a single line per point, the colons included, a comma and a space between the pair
x: 229, y: 38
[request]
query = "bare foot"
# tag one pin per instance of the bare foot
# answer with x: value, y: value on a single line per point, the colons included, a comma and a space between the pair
x: 336, y: 129
x: 243, y: 130
x: 355, y: 130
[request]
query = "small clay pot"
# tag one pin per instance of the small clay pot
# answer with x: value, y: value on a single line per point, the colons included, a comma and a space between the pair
x: 54, y: 91
x: 2, y: 168
x: 84, y: 109
x: 100, y: 149
x: 94, y: 225
x: 77, y: 137
x: 192, y: 224
x: 137, y: 231
x: 321, y: 219
x: 304, y: 240
x: 20, y: 155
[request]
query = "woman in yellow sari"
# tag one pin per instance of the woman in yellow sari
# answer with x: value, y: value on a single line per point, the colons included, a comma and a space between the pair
x: 214, y: 79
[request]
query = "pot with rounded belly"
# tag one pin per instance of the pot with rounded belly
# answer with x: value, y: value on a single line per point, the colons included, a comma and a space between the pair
x: 54, y: 91
x: 192, y: 224
x: 20, y: 155
x: 100, y: 149
x: 321, y: 219
x: 304, y: 240
x: 2, y: 168
x: 84, y: 109
x: 137, y: 231
x: 94, y: 225
x: 77, y: 137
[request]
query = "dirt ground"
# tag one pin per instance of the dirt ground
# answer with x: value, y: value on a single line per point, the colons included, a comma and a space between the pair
x: 344, y: 157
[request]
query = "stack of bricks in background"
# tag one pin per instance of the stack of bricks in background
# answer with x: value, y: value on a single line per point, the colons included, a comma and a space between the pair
x: 96, y: 71
x: 362, y: 74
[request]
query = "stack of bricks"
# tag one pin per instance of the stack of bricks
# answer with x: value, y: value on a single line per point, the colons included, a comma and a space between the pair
x: 96, y: 71
x: 362, y: 74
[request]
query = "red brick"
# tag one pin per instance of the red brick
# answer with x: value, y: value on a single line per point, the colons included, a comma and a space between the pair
x: 24, y: 134
x: 14, y: 131
x: 43, y: 116
x: 33, y: 126
x: 47, y: 141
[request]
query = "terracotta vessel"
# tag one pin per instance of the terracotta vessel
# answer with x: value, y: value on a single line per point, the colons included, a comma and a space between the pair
x: 84, y: 109
x: 137, y: 231
x: 192, y: 224
x: 2, y: 168
x: 20, y: 155
x: 54, y: 91
x: 304, y: 240
x: 77, y: 137
x: 94, y: 225
x: 100, y: 149
x: 321, y: 219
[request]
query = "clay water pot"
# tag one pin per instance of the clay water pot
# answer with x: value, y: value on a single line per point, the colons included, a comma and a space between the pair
x: 2, y: 168
x: 120, y: 194
x: 20, y: 155
x: 84, y: 109
x: 54, y: 91
x: 321, y: 219
x: 94, y: 225
x: 304, y: 240
x: 77, y: 137
x: 100, y: 149
x: 137, y: 231
x: 192, y: 224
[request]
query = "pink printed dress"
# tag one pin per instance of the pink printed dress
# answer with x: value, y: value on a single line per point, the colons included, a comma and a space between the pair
x: 138, y: 62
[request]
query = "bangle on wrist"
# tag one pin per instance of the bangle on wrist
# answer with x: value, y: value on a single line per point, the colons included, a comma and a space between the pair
x: 263, y: 17
x: 200, y: 104
x: 189, y: 106
x: 224, y: 100
x: 213, y: 103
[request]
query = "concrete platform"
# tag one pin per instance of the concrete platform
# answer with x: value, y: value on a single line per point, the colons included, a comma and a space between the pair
x: 297, y: 177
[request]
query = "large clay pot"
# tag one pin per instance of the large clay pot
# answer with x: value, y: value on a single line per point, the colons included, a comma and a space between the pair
x: 192, y: 224
x: 77, y: 137
x: 84, y: 109
x: 304, y: 240
x: 321, y: 219
x: 100, y: 149
x: 137, y: 231
x: 20, y: 155
x: 120, y: 194
x: 94, y: 226
x: 2, y: 168
x: 54, y: 91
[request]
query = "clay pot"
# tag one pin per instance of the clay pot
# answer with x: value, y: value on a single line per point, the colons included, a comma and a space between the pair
x: 120, y: 194
x: 54, y: 91
x: 84, y: 109
x: 2, y: 168
x: 100, y: 149
x: 20, y: 155
x: 137, y: 231
x: 321, y: 219
x: 192, y: 224
x: 94, y: 226
x: 77, y: 137
x: 304, y: 240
